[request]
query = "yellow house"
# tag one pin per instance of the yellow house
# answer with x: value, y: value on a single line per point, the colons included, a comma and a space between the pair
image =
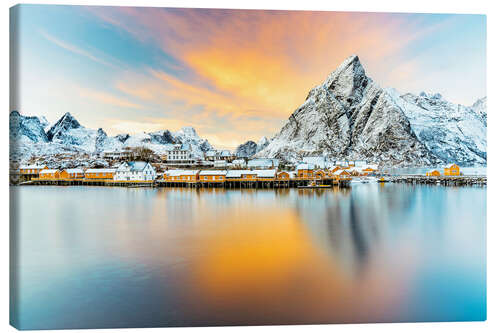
x: 74, y: 173
x: 100, y: 174
x: 48, y: 174
x: 341, y: 174
x: 452, y: 170
x: 320, y: 174
x: 213, y: 176
x: 433, y: 173
x: 305, y: 171
x: 283, y: 175
x: 181, y: 176
x: 31, y: 169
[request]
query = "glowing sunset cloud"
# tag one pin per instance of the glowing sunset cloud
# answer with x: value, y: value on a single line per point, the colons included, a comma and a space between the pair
x: 232, y: 74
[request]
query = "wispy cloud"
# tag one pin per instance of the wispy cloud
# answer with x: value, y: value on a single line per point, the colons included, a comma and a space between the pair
x: 107, y: 98
x: 75, y: 49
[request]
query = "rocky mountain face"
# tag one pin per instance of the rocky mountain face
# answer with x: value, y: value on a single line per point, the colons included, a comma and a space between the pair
x: 68, y: 136
x: 453, y: 132
x: 349, y: 116
x: 25, y: 129
x: 250, y: 148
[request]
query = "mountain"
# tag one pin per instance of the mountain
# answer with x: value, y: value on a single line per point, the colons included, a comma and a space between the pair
x: 68, y: 136
x: 250, y: 148
x: 23, y: 128
x: 453, y: 132
x: 349, y: 116
x: 246, y: 149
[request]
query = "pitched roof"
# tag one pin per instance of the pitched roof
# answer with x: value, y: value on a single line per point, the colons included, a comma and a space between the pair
x: 266, y: 173
x: 33, y: 166
x: 181, y: 172
x: 76, y: 170
x: 450, y: 165
x: 100, y: 171
x: 213, y: 173
x: 49, y: 171
x: 305, y: 166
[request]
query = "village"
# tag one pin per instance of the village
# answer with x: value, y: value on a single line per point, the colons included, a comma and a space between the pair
x: 177, y: 168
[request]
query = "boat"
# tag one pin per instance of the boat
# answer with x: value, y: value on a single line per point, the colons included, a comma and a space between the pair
x: 314, y: 185
x: 382, y: 180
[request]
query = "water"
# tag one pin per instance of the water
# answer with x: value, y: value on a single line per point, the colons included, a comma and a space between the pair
x: 97, y: 257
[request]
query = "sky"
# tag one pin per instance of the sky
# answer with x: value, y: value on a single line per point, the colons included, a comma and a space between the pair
x: 233, y: 75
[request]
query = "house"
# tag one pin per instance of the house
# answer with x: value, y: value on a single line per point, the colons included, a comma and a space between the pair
x: 177, y: 154
x: 452, y: 170
x: 211, y: 155
x: 226, y: 155
x: 319, y: 162
x: 333, y: 169
x: 319, y: 174
x: 433, y: 173
x: 305, y: 170
x: 241, y: 175
x: 135, y: 171
x: 183, y: 176
x: 369, y: 169
x: 31, y: 169
x: 49, y: 174
x: 100, y: 173
x: 220, y: 164
x: 341, y: 174
x: 213, y: 176
x: 75, y: 173
x: 261, y: 163
x: 266, y: 175
x: 239, y: 163
x: 283, y: 176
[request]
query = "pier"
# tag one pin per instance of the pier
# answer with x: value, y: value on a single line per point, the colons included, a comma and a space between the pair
x: 441, y: 180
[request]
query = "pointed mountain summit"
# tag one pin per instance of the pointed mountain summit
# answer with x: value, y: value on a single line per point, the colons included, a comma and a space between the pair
x: 66, y: 123
x: 348, y: 116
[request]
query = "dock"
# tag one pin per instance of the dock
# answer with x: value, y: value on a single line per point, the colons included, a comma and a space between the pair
x: 439, y: 180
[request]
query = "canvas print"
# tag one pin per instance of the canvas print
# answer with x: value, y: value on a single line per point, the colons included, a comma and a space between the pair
x: 206, y: 167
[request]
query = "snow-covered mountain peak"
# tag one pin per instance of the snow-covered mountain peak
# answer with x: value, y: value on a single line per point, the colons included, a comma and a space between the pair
x: 66, y: 123
x: 189, y: 131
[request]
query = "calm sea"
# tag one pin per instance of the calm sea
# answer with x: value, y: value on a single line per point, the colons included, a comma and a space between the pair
x: 97, y: 257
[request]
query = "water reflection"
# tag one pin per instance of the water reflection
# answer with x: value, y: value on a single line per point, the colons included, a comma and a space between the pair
x: 114, y: 257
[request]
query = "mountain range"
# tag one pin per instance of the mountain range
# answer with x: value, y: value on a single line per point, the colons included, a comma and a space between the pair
x: 348, y: 116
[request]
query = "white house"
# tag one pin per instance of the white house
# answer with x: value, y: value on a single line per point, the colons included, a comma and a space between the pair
x: 141, y: 171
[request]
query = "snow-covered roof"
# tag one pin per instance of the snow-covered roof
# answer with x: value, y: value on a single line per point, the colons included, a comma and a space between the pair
x: 266, y: 173
x: 48, y: 171
x: 133, y: 166
x: 76, y: 170
x: 260, y: 162
x: 305, y: 166
x: 239, y: 161
x: 181, y: 172
x: 225, y: 153
x: 100, y: 171
x: 239, y: 173
x: 33, y: 166
x: 450, y: 165
x: 213, y: 173
x: 371, y: 166
x: 210, y: 153
x: 339, y: 171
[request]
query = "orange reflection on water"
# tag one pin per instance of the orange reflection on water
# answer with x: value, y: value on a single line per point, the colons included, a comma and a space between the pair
x: 263, y: 267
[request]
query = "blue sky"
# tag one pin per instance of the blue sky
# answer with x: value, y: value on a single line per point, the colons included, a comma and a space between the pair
x: 234, y: 75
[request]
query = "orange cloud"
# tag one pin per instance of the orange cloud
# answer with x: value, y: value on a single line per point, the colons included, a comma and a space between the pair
x: 251, y: 68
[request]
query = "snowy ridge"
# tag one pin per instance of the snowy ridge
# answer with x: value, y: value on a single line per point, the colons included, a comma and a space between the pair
x: 349, y: 116
x: 67, y: 136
